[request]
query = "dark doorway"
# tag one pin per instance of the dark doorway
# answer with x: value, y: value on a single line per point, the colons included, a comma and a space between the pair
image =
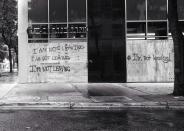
x: 106, y: 41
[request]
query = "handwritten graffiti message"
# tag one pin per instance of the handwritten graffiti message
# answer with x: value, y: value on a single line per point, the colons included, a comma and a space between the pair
x: 150, y: 61
x: 65, y: 47
x: 50, y: 68
x: 139, y: 57
x: 46, y: 58
x: 53, y: 57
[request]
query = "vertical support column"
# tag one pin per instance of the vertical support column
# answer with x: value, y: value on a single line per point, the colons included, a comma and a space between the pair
x: 23, y: 40
x: 48, y: 20
x: 87, y: 37
x: 146, y: 2
x: 67, y: 19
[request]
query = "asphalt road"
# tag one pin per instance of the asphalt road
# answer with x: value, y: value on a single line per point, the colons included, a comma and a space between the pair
x: 132, y: 120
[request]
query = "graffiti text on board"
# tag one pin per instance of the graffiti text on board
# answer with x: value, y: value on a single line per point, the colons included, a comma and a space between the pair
x: 138, y: 57
x: 64, y: 48
x: 45, y: 57
x: 49, y: 68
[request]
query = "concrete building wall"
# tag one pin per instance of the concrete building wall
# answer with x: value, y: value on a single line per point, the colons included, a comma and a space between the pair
x: 150, y: 61
x: 23, y: 40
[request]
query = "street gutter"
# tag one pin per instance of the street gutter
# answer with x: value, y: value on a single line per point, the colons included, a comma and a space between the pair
x: 89, y: 106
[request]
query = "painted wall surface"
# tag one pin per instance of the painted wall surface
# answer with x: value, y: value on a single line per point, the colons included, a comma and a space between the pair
x: 64, y: 61
x: 150, y: 61
x: 22, y: 40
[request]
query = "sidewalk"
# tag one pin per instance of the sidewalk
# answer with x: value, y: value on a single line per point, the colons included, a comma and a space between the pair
x: 88, y: 96
x: 7, y: 82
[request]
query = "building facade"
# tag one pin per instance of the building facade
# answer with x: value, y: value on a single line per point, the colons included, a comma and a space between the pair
x: 95, y: 41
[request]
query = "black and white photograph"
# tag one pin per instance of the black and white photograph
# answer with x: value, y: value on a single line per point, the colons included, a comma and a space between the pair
x: 91, y: 65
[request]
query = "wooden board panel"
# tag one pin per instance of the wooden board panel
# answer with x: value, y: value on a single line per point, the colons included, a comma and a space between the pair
x: 57, y: 62
x: 150, y: 61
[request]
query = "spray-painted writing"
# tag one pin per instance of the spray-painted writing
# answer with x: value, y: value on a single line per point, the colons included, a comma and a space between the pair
x: 138, y: 57
x: 49, y: 68
x: 42, y: 56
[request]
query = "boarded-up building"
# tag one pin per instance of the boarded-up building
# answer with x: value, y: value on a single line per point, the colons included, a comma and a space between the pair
x: 95, y: 41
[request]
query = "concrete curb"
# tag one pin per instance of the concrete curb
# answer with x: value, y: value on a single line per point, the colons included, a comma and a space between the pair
x: 88, y: 106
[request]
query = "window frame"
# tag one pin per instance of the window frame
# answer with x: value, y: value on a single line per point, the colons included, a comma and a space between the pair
x: 68, y: 23
x: 146, y: 22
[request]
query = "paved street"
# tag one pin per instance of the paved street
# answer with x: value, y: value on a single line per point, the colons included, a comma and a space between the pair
x: 130, y: 120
